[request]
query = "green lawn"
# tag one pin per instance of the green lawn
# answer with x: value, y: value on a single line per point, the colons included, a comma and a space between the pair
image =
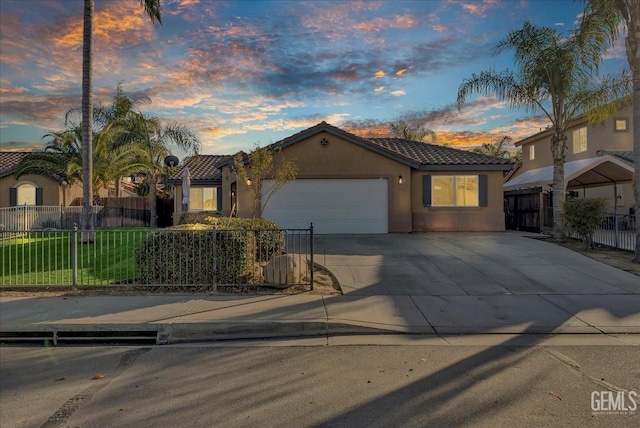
x: 44, y: 258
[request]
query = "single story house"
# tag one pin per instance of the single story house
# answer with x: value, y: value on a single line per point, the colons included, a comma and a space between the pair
x: 32, y: 189
x: 349, y: 184
x: 205, y: 193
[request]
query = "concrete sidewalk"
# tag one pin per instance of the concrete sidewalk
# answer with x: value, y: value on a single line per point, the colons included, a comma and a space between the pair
x: 188, y: 318
x: 437, y: 283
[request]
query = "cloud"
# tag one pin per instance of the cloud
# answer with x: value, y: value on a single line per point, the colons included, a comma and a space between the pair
x: 379, y: 74
x: 398, y: 93
x: 480, y: 8
x: 380, y: 24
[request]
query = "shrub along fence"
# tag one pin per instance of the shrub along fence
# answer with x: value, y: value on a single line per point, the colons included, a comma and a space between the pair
x: 189, y: 255
x: 615, y: 230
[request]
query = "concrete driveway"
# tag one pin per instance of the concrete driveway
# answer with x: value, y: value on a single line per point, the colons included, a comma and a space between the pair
x: 466, y: 264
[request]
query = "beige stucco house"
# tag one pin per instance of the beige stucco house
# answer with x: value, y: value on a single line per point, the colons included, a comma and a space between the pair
x: 349, y: 184
x: 32, y: 189
x: 205, y: 194
x: 599, y: 163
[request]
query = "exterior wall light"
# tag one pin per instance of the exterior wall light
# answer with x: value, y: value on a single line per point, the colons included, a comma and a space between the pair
x: 399, y: 179
x: 248, y: 182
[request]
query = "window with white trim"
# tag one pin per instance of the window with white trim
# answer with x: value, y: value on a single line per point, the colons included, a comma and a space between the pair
x: 580, y: 140
x: 203, y: 199
x: 26, y: 194
x: 454, y: 191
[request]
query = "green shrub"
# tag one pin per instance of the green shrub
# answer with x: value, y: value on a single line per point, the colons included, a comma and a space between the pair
x: 584, y: 215
x: 269, y: 239
x: 185, y: 255
x: 196, y: 217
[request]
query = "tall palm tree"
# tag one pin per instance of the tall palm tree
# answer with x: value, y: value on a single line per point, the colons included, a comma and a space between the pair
x: 602, y: 19
x: 556, y: 75
x: 152, y: 9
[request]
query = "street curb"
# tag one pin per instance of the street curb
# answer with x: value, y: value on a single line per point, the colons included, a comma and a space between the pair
x: 185, y: 332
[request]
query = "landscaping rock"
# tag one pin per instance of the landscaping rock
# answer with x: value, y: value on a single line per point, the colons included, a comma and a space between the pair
x: 286, y: 269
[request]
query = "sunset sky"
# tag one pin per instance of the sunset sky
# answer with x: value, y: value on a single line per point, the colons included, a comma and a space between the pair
x: 245, y: 72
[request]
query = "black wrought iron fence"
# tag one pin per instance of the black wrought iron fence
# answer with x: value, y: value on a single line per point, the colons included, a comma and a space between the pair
x: 273, y: 257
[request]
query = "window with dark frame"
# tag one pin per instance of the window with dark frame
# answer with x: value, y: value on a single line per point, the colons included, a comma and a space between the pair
x: 622, y: 124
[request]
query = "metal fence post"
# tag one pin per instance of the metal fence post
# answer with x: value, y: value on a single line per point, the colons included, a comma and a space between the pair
x: 74, y: 258
x: 311, y: 251
x: 215, y: 258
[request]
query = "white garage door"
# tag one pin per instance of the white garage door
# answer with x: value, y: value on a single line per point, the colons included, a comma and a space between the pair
x: 333, y: 205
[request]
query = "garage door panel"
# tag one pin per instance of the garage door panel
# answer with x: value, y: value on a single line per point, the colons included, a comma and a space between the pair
x: 333, y: 205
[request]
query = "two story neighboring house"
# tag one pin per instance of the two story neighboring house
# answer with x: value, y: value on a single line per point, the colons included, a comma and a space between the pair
x: 599, y: 163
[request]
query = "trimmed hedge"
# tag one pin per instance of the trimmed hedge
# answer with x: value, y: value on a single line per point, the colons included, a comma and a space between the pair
x: 269, y: 239
x: 185, y: 255
x: 196, y: 217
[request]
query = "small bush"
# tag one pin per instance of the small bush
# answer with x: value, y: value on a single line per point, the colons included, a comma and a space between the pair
x: 584, y: 215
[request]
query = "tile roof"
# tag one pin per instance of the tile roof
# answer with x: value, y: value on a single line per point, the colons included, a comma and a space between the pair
x: 416, y: 154
x: 433, y: 154
x: 202, y: 169
x: 9, y: 162
x: 624, y: 156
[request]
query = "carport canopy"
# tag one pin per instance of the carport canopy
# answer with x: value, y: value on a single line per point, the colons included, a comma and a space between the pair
x: 591, y: 172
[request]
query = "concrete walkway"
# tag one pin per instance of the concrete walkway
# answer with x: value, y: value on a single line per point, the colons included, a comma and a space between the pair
x: 417, y: 284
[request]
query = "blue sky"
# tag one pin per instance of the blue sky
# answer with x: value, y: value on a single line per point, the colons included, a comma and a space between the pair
x: 241, y: 73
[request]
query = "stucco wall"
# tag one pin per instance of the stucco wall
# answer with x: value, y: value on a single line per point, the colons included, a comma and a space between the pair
x: 52, y: 194
x: 473, y: 219
x: 343, y: 159
x: 337, y: 159
x: 600, y: 136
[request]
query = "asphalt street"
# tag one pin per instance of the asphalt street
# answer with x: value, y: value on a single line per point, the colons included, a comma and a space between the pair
x: 307, y: 383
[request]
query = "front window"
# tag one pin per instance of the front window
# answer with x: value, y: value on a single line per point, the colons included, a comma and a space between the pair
x: 580, y: 140
x: 26, y: 194
x: 203, y: 199
x: 454, y: 191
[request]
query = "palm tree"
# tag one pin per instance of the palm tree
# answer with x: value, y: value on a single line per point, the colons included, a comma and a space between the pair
x: 556, y: 75
x: 152, y: 9
x: 155, y: 138
x: 54, y: 161
x: 402, y: 129
x: 121, y: 113
x: 63, y: 158
x: 602, y: 18
x: 495, y: 149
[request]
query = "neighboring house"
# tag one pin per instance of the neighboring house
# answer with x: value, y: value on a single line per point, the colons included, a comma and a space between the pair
x: 348, y: 184
x: 599, y: 163
x: 32, y: 189
x: 206, y: 180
